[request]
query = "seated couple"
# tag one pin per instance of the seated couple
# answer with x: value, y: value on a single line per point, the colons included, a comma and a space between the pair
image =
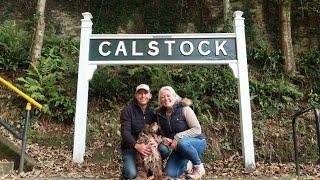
x: 182, y: 141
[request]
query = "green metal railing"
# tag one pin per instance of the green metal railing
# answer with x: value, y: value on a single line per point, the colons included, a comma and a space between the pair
x: 12, y: 130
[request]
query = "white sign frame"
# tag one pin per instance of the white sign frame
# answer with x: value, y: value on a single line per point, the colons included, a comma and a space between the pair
x: 239, y: 68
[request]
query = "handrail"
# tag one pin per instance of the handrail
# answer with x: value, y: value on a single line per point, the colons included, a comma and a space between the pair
x: 294, y: 132
x: 22, y: 94
x: 12, y: 130
x: 26, y: 122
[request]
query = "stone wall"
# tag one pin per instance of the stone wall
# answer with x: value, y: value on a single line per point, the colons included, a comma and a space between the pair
x: 67, y: 22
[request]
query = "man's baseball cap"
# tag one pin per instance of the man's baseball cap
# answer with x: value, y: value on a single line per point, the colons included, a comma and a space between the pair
x: 143, y: 86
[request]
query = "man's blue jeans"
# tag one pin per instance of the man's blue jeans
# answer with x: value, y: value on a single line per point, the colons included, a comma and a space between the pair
x: 187, y: 149
x: 129, y: 170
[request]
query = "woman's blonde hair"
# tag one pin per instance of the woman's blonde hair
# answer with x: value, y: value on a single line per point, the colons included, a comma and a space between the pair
x: 171, y: 91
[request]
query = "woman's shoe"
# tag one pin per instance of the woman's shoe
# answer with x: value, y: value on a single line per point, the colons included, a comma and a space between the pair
x: 189, y: 168
x: 197, y: 172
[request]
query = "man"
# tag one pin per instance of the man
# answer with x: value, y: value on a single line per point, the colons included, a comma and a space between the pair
x: 133, y: 119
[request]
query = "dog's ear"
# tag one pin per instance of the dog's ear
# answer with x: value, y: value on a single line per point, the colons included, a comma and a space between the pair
x: 154, y: 128
x: 146, y: 129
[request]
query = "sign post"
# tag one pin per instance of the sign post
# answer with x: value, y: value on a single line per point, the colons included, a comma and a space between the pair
x: 80, y: 124
x: 244, y: 94
x: 129, y: 49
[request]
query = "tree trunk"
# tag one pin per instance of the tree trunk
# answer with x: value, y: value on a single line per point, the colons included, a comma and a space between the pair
x: 39, y: 33
x: 286, y: 39
x: 226, y: 10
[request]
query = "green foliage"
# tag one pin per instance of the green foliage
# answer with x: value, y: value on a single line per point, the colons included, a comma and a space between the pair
x: 210, y: 87
x: 45, y: 81
x: 206, y: 118
x: 105, y: 83
x: 266, y: 60
x: 226, y: 145
x: 143, y: 16
x: 309, y: 65
x: 109, y: 81
x: 166, y: 21
x: 266, y: 94
x: 271, y: 91
x: 14, y: 46
x: 309, y: 68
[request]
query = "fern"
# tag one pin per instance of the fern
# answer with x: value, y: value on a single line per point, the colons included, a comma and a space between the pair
x: 44, y: 82
x: 14, y: 43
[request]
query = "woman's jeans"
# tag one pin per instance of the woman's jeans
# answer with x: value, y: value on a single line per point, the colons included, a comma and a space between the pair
x: 187, y: 149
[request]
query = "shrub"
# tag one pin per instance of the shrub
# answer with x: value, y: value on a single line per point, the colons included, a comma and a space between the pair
x: 309, y: 68
x: 48, y: 80
x: 265, y: 60
x: 14, y: 46
x: 210, y: 87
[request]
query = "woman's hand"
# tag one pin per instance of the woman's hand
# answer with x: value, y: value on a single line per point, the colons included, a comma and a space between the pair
x: 174, y: 144
x: 167, y: 141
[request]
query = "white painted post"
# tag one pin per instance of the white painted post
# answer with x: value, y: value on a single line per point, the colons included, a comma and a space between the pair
x: 244, y: 94
x: 82, y: 90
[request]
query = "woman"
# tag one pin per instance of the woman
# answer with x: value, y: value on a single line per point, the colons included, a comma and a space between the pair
x: 183, y: 136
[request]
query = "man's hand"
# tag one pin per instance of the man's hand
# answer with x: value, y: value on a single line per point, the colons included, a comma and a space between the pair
x: 153, y: 143
x: 174, y: 144
x: 143, y: 149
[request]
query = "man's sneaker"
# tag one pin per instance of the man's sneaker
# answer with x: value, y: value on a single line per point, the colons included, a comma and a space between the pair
x: 189, y: 168
x: 197, y: 172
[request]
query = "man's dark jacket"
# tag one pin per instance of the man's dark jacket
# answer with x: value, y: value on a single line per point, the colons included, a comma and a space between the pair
x: 133, y: 121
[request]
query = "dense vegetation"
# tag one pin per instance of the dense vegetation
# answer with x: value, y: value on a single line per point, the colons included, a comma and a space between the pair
x: 275, y: 95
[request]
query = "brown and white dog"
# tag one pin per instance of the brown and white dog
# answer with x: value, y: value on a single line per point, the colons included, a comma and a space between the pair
x: 150, y: 167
